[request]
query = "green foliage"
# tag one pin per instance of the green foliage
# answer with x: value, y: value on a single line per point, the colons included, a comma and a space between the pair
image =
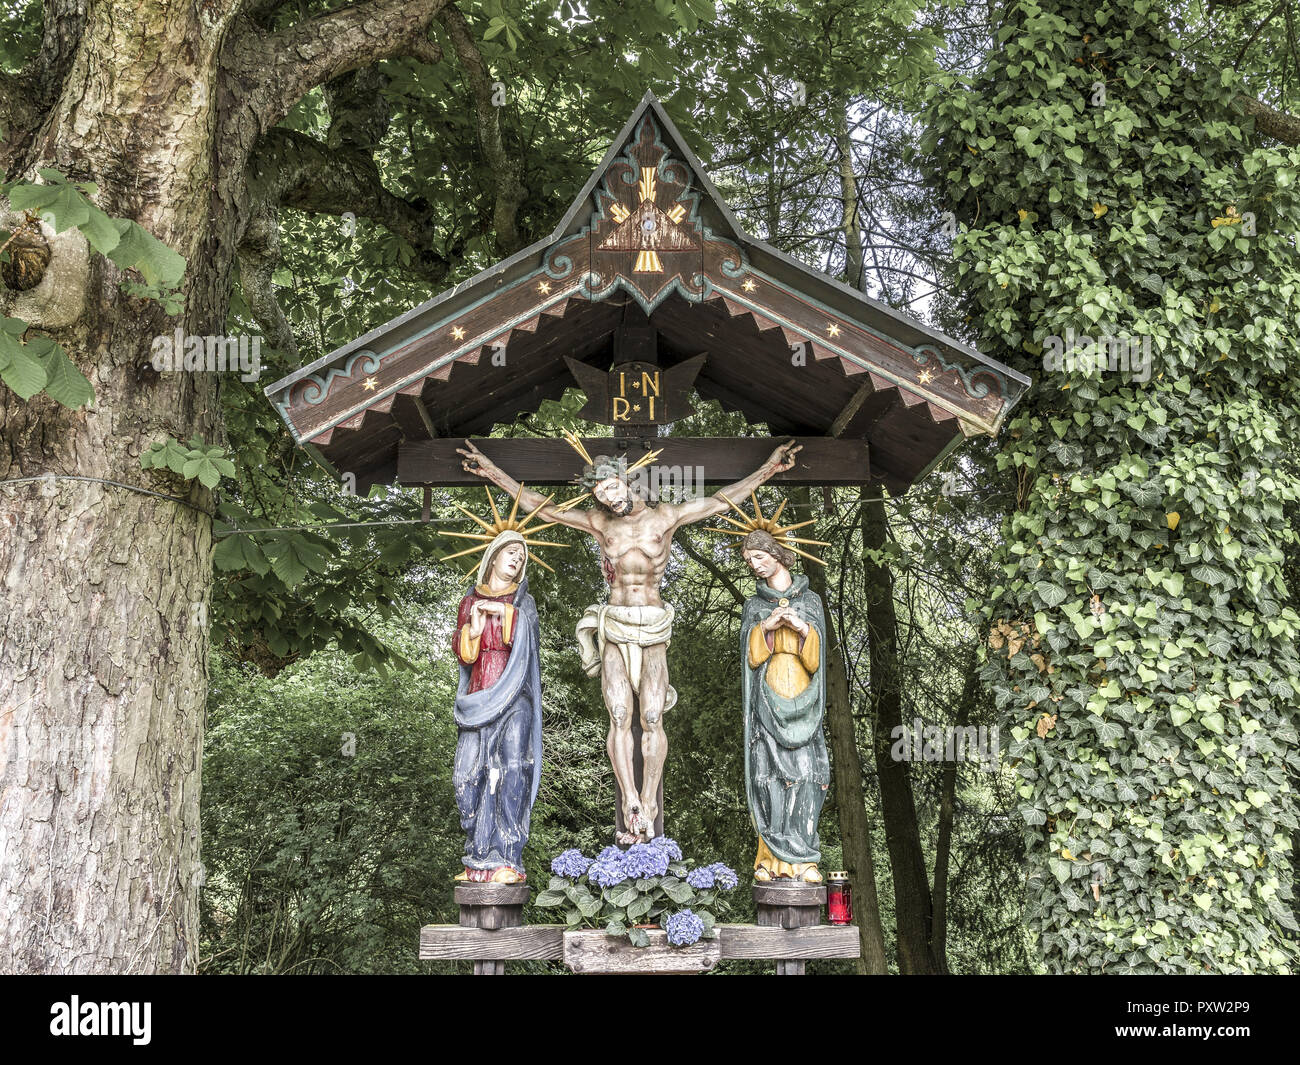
x: 32, y: 362
x: 64, y: 205
x: 35, y: 363
x: 207, y: 462
x: 1144, y: 637
x: 327, y: 808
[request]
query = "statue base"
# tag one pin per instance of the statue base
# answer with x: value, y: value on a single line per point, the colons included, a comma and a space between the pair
x: 789, y: 904
x: 491, y: 906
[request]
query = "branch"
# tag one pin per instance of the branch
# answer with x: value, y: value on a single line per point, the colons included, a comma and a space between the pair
x: 685, y: 544
x: 1271, y: 122
x: 259, y: 255
x: 287, y: 65
x: 506, y: 170
x: 25, y: 97
x: 308, y: 175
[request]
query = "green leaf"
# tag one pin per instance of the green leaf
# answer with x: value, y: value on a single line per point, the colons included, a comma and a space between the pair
x: 621, y: 895
x: 551, y: 898
x: 101, y: 231
x: 62, y: 206
x: 19, y: 368
x: 65, y: 383
x: 677, y: 890
x: 638, y: 937
x: 1051, y: 594
x: 138, y: 249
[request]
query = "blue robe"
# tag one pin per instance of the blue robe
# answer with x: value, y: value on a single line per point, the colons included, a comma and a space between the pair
x: 499, y: 753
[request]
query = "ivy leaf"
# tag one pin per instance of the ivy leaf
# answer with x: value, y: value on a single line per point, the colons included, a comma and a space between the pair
x: 1051, y: 594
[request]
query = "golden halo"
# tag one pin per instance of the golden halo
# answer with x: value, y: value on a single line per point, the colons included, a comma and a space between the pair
x: 768, y: 524
x: 494, y: 528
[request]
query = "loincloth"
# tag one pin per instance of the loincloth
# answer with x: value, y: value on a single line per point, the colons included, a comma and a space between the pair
x: 629, y: 628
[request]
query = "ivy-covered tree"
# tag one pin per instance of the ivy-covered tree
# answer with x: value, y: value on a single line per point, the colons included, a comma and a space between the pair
x: 1128, y: 236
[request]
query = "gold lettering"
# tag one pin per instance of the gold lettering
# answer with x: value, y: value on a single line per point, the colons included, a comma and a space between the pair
x: 652, y: 407
x: 621, y: 416
x: 648, y: 382
x: 622, y: 384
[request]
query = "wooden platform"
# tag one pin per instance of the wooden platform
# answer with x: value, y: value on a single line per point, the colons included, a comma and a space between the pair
x: 492, y: 932
x: 546, y: 942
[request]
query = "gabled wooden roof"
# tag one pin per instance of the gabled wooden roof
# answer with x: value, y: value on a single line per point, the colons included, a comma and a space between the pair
x: 650, y: 238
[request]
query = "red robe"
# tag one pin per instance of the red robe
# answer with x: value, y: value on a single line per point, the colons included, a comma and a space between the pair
x: 488, y: 654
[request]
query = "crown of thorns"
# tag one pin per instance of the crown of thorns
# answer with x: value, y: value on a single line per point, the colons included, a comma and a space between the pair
x: 601, y: 468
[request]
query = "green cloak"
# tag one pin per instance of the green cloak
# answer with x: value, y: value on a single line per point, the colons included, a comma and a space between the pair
x: 786, y: 766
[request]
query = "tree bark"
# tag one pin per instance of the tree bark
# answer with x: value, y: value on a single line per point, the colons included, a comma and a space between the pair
x: 103, y: 642
x: 947, y: 816
x: 850, y: 219
x: 103, y: 635
x: 912, y: 904
x: 850, y: 799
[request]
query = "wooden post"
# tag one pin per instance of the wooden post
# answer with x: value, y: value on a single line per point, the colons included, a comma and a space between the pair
x: 789, y: 904
x: 489, y: 907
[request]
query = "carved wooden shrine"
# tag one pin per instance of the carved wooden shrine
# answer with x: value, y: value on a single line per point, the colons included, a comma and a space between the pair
x: 648, y: 296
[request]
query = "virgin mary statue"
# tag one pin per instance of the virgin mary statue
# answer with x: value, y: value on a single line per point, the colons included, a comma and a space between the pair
x: 499, y: 714
x: 787, y: 772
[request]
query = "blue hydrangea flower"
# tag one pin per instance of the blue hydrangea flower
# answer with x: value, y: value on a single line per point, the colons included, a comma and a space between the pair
x: 669, y: 847
x: 610, y: 853
x: 571, y: 863
x: 701, y: 879
x: 724, y: 876
x: 606, y: 872
x: 684, y: 928
x: 643, y: 861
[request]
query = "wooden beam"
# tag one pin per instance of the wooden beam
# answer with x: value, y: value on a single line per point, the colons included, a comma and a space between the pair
x: 533, y: 942
x: 850, y: 409
x: 545, y: 942
x: 589, y: 950
x: 720, y: 461
x: 823, y: 941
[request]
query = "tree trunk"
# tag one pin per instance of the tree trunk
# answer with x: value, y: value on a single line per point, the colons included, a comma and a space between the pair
x: 103, y: 636
x: 103, y: 640
x: 850, y: 801
x: 947, y: 815
x: 912, y: 906
x: 850, y: 222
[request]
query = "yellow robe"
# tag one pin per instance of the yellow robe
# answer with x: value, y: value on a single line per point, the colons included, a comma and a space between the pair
x: 794, y: 661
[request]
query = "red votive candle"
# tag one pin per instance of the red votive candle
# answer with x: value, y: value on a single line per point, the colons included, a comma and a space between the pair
x: 839, y: 898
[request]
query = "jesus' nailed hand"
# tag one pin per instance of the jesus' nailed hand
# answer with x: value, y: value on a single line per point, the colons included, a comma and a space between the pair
x: 635, y: 540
